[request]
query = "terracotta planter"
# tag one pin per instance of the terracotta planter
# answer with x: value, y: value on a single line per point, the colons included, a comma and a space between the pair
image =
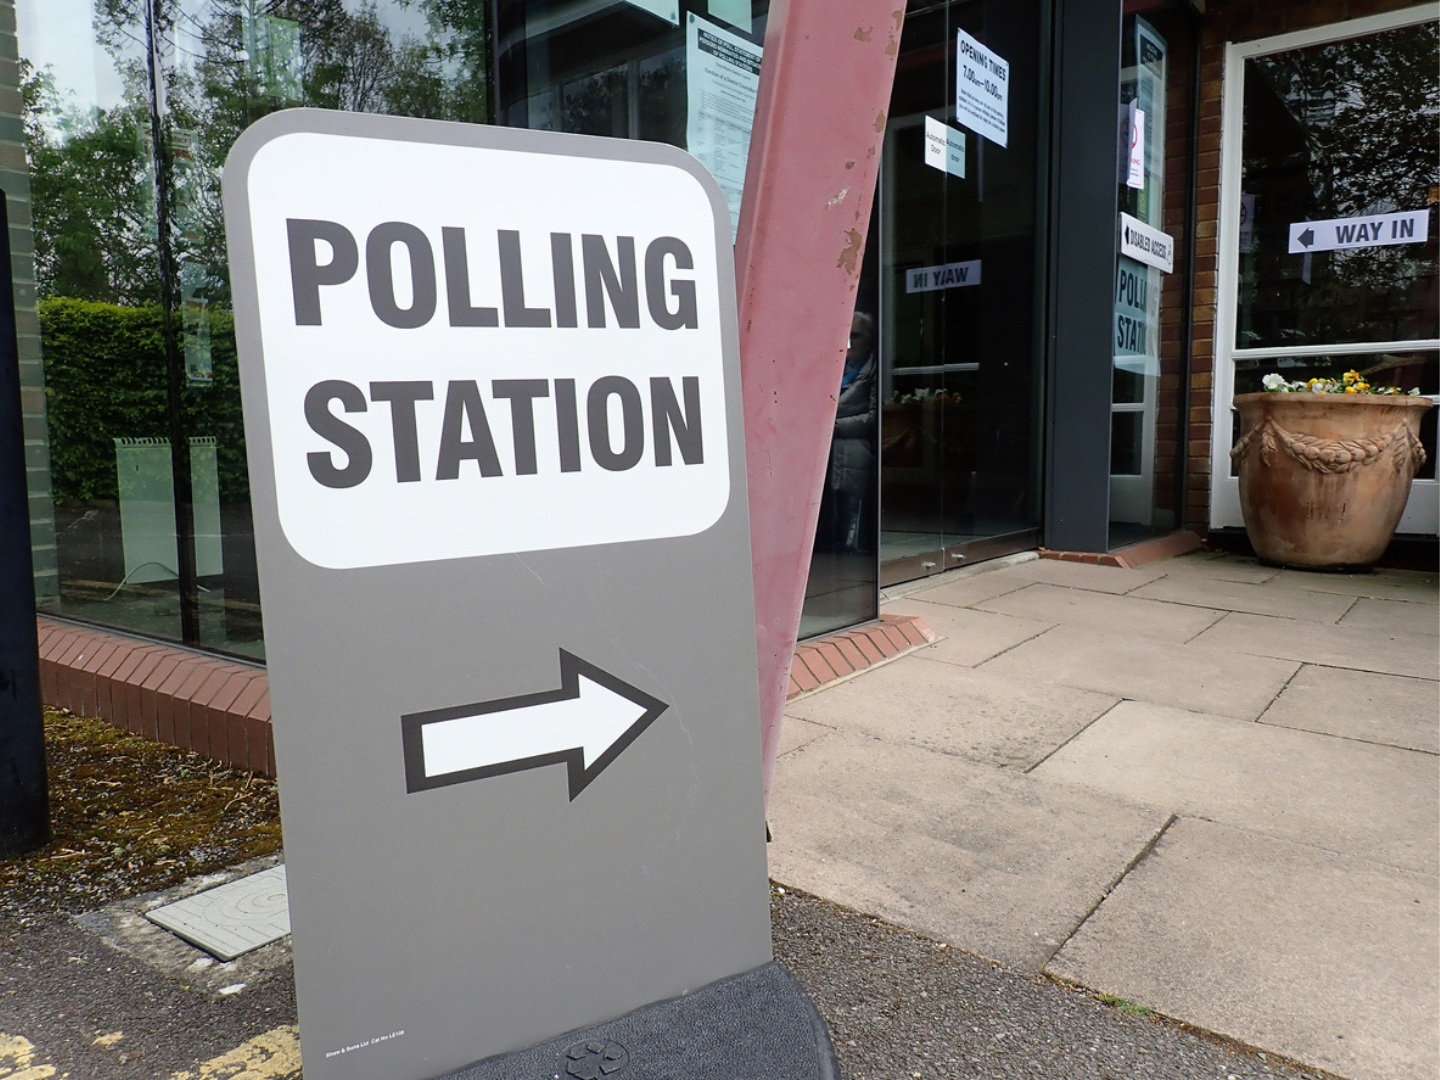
x: 1324, y: 477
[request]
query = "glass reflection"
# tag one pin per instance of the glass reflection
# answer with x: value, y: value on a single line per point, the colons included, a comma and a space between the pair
x: 89, y: 136
x: 128, y: 124
x: 1338, y: 131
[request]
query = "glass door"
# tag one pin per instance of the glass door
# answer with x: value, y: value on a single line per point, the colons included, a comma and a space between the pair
x: 959, y: 386
x: 1329, y: 231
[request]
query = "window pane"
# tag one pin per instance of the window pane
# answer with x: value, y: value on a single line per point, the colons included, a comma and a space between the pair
x: 1344, y: 130
x: 89, y: 140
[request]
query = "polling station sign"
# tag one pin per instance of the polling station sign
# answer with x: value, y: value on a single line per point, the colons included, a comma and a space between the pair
x: 493, y: 416
x: 369, y: 256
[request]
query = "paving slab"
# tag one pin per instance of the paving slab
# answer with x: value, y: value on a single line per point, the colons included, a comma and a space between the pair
x: 970, y: 637
x: 1074, y: 575
x: 1081, y: 607
x: 1414, y: 585
x: 1322, y: 957
x: 795, y: 732
x: 1392, y: 616
x: 987, y: 860
x: 1387, y: 709
x: 1352, y: 797
x: 1217, y: 566
x: 972, y: 589
x: 953, y: 710
x: 1226, y: 595
x: 1185, y: 676
x: 1390, y: 652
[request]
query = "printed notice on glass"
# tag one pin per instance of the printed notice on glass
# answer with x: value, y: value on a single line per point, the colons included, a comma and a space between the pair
x: 982, y: 89
x: 722, y: 77
x: 944, y: 147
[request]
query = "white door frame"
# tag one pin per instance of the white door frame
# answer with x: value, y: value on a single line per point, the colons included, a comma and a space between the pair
x: 1422, y: 513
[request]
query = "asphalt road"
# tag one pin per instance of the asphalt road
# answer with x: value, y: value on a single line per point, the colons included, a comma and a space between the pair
x: 78, y: 1001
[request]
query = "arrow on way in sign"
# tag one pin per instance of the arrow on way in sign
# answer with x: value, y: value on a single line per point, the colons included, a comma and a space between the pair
x: 1307, y: 237
x: 584, y: 725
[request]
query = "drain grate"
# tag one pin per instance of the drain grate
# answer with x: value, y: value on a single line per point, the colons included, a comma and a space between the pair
x: 231, y: 919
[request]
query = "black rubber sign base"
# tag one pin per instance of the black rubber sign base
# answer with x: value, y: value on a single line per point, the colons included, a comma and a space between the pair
x: 755, y: 1026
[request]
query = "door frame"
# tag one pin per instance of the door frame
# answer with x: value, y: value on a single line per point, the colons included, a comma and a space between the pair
x: 1422, y: 512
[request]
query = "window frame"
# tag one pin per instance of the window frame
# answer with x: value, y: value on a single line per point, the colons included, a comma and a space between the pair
x: 1422, y: 513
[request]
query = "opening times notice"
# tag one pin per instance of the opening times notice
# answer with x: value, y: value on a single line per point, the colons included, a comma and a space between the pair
x: 722, y: 79
x: 982, y: 89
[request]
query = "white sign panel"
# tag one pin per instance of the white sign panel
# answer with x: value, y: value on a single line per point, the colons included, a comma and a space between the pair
x: 1135, y: 171
x: 1146, y: 244
x: 734, y: 12
x: 542, y: 405
x: 944, y: 147
x: 668, y: 10
x: 946, y: 276
x: 1137, y: 317
x: 1372, y: 230
x: 1247, y: 224
x: 982, y: 89
x: 722, y: 78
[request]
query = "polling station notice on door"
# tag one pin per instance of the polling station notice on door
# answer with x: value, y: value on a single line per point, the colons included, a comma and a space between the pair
x: 982, y: 89
x: 722, y: 78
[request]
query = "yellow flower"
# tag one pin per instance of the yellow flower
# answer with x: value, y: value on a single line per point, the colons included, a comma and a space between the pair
x: 1351, y: 376
x: 1362, y: 387
x: 1351, y: 390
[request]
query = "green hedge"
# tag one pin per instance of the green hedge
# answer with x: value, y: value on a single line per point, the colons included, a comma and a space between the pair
x: 105, y: 379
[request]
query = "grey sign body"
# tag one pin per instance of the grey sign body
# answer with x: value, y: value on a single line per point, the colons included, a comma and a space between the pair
x: 512, y: 665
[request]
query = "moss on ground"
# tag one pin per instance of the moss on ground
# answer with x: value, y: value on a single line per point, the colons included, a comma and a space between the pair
x: 130, y: 816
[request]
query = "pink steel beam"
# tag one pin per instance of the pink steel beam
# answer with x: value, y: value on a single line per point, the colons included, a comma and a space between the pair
x: 814, y: 155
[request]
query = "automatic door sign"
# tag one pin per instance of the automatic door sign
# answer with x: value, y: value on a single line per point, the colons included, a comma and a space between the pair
x: 493, y: 415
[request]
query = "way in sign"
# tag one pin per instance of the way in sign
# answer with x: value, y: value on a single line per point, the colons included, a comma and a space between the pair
x: 585, y: 725
x: 1372, y: 230
x: 948, y: 276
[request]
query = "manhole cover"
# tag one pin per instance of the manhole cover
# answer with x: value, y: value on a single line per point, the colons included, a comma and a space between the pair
x: 231, y: 919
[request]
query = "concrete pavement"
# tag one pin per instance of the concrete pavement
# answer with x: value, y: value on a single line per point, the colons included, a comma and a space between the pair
x: 1206, y: 786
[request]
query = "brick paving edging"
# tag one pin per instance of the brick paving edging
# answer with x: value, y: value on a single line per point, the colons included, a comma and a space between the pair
x: 216, y: 707
x: 221, y: 708
x: 829, y: 659
x: 1133, y: 556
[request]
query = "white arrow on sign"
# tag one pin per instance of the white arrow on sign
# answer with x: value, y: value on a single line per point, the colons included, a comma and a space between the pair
x: 585, y: 725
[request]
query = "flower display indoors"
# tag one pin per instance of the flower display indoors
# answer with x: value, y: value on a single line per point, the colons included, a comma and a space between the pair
x: 1325, y: 466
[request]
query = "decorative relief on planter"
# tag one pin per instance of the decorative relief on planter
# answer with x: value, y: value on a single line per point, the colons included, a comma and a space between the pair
x: 1334, y: 455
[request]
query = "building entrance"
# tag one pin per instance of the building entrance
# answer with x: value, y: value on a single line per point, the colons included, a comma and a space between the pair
x: 957, y: 270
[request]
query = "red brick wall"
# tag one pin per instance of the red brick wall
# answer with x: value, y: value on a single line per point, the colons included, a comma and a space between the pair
x: 1226, y: 21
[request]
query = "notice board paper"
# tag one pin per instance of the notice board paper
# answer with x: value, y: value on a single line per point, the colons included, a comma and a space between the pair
x: 982, y: 89
x: 722, y: 78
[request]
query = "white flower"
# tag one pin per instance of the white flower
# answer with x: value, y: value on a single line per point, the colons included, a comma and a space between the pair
x: 1273, y: 382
